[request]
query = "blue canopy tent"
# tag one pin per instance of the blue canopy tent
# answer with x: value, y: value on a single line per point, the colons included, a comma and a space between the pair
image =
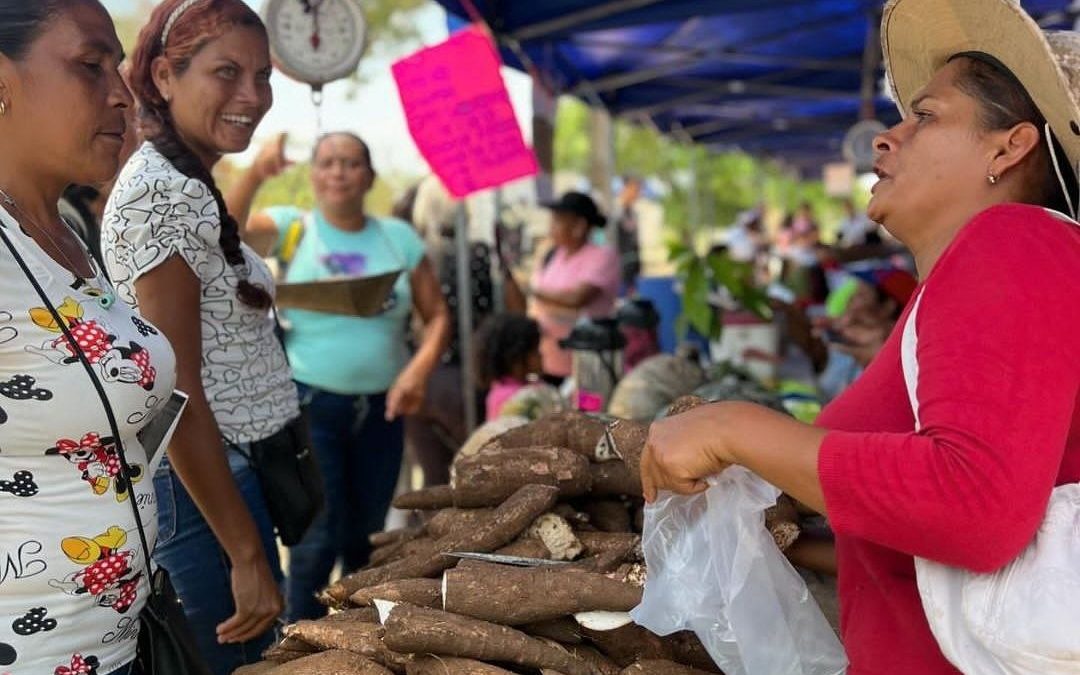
x: 774, y: 78
x: 781, y: 78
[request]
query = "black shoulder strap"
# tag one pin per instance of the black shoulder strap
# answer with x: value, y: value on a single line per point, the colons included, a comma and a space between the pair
x: 113, y: 427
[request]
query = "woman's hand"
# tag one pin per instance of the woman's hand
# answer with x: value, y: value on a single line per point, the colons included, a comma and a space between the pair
x: 683, y: 451
x: 258, y: 602
x: 270, y: 161
x: 407, y: 394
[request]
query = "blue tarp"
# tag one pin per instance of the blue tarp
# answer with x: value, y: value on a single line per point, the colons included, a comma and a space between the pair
x: 772, y: 77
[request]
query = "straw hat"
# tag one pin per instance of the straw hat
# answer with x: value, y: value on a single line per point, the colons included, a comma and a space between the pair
x: 919, y: 36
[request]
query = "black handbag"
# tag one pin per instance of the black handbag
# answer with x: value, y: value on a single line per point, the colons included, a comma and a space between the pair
x: 166, y: 645
x: 290, y: 479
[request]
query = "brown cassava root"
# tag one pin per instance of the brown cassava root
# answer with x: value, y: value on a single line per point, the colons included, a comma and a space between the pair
x: 418, y: 630
x: 514, y: 596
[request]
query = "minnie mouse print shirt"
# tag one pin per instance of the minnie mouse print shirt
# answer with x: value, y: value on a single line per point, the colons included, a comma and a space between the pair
x: 72, y: 576
x: 155, y: 212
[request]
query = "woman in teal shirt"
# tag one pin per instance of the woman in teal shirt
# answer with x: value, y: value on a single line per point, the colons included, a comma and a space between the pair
x: 355, y: 375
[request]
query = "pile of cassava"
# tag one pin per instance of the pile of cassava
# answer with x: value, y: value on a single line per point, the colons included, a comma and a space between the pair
x: 564, y: 489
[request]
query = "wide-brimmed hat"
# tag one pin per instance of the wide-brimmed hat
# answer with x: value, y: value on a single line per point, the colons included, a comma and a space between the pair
x: 919, y: 36
x: 579, y: 204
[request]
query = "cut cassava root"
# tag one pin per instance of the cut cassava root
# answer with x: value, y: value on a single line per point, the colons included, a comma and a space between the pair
x: 331, y: 662
x: 557, y: 535
x: 656, y: 667
x: 365, y: 639
x: 418, y: 630
x: 615, y: 479
x: 455, y: 520
x: 553, y: 490
x: 514, y: 596
x: 500, y: 528
x: 380, y: 539
x: 489, y: 477
x: 427, y: 499
x: 448, y: 665
x: 420, y: 592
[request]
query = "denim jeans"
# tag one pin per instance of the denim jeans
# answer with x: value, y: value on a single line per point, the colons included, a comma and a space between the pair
x: 359, y: 453
x: 199, y: 567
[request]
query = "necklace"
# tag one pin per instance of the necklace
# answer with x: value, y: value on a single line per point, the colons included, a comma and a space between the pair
x: 107, y: 299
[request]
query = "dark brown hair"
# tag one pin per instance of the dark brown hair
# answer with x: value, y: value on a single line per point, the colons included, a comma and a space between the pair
x: 344, y: 134
x: 199, y: 25
x: 1002, y: 103
x: 504, y: 341
x: 22, y: 22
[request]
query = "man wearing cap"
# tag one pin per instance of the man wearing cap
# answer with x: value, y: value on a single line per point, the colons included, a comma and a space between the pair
x: 576, y: 279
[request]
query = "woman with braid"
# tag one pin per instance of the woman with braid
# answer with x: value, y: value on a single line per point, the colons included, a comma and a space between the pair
x: 200, y: 75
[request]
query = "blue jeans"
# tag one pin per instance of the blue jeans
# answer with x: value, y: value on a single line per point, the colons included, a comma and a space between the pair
x: 359, y: 453
x: 199, y: 567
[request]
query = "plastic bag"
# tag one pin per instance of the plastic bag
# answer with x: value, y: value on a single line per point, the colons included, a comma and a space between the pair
x: 714, y: 569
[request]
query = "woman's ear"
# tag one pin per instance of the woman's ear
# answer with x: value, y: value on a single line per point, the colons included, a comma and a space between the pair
x: 162, y: 73
x: 1012, y: 146
x: 7, y: 77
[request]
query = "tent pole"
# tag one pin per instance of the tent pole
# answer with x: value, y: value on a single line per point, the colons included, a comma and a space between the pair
x: 545, y: 105
x: 871, y: 59
x: 602, y: 163
x: 597, y: 12
x: 465, y: 318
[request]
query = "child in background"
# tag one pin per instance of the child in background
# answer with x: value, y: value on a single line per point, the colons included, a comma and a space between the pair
x: 508, y: 358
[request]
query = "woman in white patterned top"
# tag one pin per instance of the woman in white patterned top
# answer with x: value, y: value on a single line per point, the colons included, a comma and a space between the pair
x: 72, y: 576
x: 200, y: 73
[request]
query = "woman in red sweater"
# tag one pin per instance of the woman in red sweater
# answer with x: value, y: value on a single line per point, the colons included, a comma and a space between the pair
x: 988, y: 112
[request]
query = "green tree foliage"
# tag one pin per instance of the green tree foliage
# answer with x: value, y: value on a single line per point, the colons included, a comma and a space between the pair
x: 725, y: 183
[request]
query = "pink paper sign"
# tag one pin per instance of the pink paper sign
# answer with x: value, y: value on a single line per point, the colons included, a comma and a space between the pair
x: 460, y: 115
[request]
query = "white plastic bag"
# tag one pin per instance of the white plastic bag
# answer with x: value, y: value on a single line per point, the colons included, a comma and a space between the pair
x: 714, y: 569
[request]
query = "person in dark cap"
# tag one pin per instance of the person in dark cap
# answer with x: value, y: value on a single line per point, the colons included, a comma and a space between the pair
x: 576, y: 278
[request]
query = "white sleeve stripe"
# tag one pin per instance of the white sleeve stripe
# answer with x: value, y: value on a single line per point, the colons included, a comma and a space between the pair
x: 909, y: 360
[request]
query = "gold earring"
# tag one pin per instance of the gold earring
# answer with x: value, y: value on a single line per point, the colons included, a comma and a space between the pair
x: 991, y: 178
x: 3, y: 107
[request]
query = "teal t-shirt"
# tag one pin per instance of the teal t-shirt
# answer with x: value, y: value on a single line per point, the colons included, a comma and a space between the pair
x: 346, y: 354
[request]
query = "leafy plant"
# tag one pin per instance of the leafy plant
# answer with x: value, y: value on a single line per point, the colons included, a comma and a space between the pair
x: 701, y: 276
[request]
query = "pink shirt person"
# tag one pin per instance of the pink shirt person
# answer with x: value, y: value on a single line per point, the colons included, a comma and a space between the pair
x: 501, y: 391
x: 591, y: 265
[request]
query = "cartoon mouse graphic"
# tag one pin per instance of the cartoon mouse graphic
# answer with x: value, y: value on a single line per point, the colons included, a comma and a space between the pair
x: 106, y: 572
x: 118, y: 363
x: 98, y: 461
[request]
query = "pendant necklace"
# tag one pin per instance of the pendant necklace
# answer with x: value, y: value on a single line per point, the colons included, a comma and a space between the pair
x: 107, y: 298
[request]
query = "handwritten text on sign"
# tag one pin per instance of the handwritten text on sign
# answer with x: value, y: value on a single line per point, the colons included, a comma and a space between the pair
x: 460, y: 116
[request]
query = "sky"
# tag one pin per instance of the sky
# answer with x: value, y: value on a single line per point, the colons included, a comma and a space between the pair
x: 373, y: 111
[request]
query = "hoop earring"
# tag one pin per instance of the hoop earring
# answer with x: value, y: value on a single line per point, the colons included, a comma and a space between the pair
x: 991, y: 178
